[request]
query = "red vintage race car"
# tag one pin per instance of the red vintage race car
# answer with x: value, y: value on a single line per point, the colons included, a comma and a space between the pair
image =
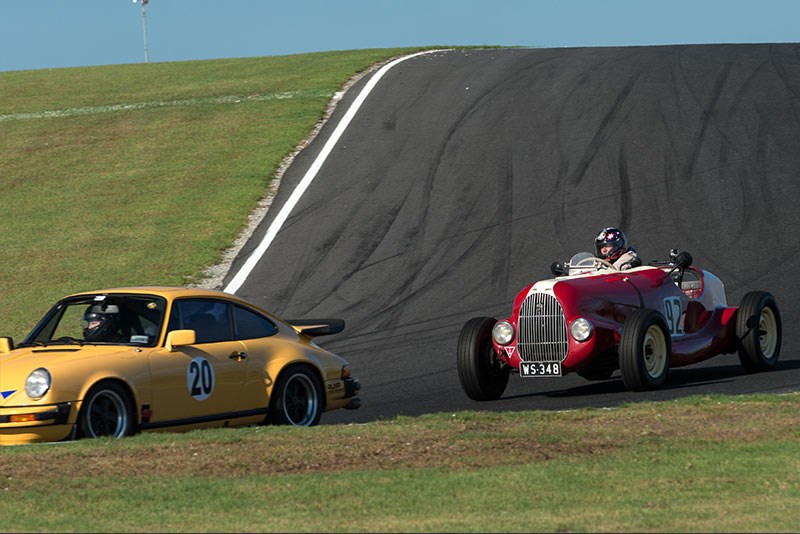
x: 593, y: 319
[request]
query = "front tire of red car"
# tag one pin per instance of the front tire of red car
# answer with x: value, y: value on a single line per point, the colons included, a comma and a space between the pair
x: 645, y: 349
x: 482, y: 376
x: 758, y: 329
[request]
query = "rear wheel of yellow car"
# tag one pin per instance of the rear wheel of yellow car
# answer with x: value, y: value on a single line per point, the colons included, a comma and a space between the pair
x: 297, y: 398
x: 107, y: 412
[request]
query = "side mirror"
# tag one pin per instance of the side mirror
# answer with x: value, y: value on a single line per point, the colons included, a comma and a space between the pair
x: 6, y: 345
x: 179, y: 338
x: 683, y: 260
x: 558, y: 269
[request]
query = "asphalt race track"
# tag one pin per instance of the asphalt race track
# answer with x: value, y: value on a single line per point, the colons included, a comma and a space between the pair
x: 466, y: 173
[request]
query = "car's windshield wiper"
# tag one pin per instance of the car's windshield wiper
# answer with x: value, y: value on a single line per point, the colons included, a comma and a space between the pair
x: 32, y: 344
x: 66, y: 340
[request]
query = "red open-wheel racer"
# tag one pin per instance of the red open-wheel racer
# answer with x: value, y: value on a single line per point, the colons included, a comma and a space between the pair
x: 593, y: 319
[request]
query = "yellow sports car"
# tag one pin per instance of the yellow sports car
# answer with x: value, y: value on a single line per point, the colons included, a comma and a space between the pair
x: 119, y: 361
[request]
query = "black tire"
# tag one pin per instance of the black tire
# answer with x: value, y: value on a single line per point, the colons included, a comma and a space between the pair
x: 482, y: 376
x: 107, y: 411
x: 645, y: 349
x: 297, y: 399
x: 759, y: 330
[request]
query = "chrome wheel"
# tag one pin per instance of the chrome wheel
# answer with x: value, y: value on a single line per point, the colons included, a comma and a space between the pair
x: 300, y: 400
x: 106, y: 413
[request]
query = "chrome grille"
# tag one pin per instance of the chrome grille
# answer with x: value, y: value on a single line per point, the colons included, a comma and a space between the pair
x: 542, y: 333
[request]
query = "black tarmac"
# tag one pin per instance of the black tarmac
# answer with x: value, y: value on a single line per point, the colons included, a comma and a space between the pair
x: 466, y: 173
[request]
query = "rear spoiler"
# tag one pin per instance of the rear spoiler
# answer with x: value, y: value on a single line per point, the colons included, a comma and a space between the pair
x: 318, y: 327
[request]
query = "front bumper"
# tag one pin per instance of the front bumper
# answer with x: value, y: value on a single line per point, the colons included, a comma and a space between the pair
x: 33, y: 424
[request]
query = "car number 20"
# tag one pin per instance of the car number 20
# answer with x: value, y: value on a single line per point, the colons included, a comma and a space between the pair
x: 200, y: 378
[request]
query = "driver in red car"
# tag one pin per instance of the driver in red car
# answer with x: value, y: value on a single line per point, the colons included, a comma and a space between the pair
x: 611, y: 245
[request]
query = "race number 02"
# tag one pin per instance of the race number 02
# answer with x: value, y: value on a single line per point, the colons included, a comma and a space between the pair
x: 672, y: 313
x: 200, y: 378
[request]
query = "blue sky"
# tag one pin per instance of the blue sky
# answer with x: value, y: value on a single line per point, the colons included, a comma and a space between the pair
x: 38, y: 34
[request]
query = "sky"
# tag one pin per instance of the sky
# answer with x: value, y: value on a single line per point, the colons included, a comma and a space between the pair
x: 42, y: 34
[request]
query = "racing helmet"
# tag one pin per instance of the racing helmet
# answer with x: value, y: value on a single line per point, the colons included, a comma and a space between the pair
x: 100, y: 321
x: 613, y: 237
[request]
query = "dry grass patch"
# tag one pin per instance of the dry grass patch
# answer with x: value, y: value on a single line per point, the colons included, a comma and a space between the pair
x: 465, y: 440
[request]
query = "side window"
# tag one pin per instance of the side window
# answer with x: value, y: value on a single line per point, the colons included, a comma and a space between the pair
x: 70, y: 323
x: 208, y: 318
x: 250, y: 325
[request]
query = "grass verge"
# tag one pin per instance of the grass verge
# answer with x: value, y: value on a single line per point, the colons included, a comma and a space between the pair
x: 714, y: 464
x: 144, y: 174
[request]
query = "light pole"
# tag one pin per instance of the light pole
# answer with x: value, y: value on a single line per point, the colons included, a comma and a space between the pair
x: 144, y: 27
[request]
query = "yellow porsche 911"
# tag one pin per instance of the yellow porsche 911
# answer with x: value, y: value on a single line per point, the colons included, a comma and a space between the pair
x: 120, y: 361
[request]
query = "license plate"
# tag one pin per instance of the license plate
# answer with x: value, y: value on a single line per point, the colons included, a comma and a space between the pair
x: 534, y: 369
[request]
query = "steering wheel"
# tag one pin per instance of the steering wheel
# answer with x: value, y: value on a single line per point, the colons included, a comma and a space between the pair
x: 600, y: 262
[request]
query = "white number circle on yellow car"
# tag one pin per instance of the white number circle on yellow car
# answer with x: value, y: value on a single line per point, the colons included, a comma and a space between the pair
x: 200, y: 378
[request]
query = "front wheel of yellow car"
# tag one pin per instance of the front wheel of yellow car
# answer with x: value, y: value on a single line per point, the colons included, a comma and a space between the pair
x: 106, y: 412
x: 297, y: 398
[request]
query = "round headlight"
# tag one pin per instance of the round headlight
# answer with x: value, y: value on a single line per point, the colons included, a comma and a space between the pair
x: 38, y: 383
x: 580, y: 329
x: 503, y: 333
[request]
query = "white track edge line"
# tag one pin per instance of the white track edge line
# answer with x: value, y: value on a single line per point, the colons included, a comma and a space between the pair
x: 241, y: 276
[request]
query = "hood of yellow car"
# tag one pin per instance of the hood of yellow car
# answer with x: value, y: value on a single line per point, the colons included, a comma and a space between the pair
x: 59, y: 360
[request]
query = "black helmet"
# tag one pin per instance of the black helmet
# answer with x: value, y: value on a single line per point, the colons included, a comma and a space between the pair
x: 615, y: 238
x: 100, y: 321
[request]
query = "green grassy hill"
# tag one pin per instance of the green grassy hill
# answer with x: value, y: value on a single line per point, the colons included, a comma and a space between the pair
x: 144, y: 174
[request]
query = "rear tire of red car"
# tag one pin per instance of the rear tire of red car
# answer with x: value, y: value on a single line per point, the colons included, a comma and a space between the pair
x: 759, y: 330
x: 297, y: 399
x: 645, y: 349
x: 479, y: 369
x: 107, y: 411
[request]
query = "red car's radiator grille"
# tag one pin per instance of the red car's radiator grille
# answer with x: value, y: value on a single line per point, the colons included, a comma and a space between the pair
x: 542, y: 335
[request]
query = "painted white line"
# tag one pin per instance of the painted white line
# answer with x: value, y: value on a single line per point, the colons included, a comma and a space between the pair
x: 232, y: 99
x: 248, y: 266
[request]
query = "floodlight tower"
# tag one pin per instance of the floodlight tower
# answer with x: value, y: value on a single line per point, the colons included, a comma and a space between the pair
x: 144, y: 26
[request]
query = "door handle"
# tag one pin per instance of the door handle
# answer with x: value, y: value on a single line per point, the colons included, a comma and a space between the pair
x: 238, y: 356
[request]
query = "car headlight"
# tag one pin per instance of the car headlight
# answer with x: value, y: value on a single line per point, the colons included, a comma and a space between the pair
x: 581, y: 329
x: 38, y: 383
x: 503, y: 333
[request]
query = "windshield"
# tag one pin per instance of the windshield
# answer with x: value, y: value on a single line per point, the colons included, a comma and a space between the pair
x: 101, y: 319
x: 582, y: 262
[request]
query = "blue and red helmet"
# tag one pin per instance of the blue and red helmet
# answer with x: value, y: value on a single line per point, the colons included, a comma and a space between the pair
x: 613, y: 237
